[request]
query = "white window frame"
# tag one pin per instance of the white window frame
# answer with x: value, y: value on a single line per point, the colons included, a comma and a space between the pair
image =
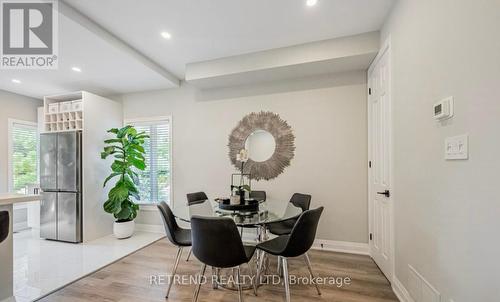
x: 10, y: 145
x: 129, y: 121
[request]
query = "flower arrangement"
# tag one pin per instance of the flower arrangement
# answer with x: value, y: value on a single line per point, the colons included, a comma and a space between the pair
x: 242, y: 157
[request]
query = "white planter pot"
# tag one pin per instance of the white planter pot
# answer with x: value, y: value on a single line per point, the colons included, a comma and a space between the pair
x: 123, y: 230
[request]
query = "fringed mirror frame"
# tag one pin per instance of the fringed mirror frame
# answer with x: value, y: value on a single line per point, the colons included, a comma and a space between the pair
x: 283, y: 136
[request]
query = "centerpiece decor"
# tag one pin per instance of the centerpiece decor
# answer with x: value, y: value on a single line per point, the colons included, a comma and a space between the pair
x: 128, y: 153
x: 242, y: 188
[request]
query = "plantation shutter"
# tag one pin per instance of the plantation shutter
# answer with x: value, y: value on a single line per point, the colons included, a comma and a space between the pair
x: 155, y: 179
x: 24, y: 158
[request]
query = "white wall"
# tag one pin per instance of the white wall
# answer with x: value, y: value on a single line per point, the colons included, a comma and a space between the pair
x: 330, y: 158
x: 16, y: 107
x: 447, y: 213
x: 99, y: 115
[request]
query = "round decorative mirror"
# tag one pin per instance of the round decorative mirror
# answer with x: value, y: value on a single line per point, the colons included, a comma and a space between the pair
x: 260, y: 145
x: 269, y: 142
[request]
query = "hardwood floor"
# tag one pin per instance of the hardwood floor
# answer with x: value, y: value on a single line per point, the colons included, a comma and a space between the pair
x: 130, y: 280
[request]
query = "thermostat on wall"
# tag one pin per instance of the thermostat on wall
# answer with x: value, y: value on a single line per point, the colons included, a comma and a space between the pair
x: 444, y: 109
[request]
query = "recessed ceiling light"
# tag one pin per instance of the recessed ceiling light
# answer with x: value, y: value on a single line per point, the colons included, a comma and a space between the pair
x: 16, y: 81
x: 77, y: 69
x: 311, y: 2
x: 166, y: 35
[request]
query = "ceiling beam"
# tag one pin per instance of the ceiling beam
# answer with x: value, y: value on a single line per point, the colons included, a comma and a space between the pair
x: 75, y: 15
x: 344, y: 54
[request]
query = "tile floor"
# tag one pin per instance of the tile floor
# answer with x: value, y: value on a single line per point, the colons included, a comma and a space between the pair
x: 43, y: 266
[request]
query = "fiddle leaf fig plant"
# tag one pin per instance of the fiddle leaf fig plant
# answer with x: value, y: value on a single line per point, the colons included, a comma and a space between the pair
x: 128, y: 153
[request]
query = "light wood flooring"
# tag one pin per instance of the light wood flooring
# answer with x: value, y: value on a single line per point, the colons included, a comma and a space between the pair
x: 129, y: 280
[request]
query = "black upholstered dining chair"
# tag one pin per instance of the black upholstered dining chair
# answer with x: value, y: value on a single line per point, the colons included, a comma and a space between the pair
x: 258, y: 195
x: 196, y: 198
x: 4, y: 225
x: 299, y: 200
x: 176, y: 235
x: 217, y: 243
x: 297, y: 243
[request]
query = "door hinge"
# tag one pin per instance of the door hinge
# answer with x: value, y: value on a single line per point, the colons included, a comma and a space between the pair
x: 369, y: 91
x: 370, y: 164
x: 371, y: 236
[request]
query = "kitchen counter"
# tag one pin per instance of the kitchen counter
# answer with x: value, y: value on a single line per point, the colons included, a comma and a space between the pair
x: 7, y: 200
x: 11, y: 198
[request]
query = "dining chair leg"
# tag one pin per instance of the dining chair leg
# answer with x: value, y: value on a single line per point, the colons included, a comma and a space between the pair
x: 267, y: 260
x: 286, y: 278
x: 233, y: 275
x: 256, y: 259
x: 189, y: 255
x: 215, y: 278
x: 177, y: 258
x: 279, y: 269
x: 254, y: 280
x: 308, y: 262
x: 217, y: 274
x: 259, y: 267
x: 238, y: 281
x: 198, y: 286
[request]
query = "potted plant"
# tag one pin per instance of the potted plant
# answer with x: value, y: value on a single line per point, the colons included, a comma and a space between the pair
x: 128, y: 153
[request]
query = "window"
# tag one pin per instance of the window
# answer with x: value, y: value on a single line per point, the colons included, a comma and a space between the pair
x: 155, y: 180
x: 23, y: 156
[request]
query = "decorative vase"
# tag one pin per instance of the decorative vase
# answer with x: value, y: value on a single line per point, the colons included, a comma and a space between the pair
x: 123, y: 230
x: 242, y: 196
x: 235, y: 199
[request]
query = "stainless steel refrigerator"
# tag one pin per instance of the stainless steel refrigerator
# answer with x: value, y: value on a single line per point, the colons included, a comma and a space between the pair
x: 61, y: 185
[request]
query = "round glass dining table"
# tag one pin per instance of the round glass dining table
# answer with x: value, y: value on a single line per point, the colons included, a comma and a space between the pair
x: 269, y: 211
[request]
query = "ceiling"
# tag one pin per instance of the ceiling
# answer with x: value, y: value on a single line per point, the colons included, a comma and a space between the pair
x: 200, y: 29
x: 105, y: 69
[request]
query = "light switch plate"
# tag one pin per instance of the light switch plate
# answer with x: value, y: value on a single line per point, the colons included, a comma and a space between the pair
x: 456, y: 147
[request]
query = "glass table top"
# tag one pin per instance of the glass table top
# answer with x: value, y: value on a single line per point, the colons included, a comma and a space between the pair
x: 269, y: 211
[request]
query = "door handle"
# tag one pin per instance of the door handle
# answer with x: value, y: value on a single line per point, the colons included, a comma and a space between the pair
x: 386, y: 193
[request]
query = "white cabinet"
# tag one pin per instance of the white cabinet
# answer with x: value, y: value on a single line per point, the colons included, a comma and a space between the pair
x: 64, y: 112
x: 93, y: 115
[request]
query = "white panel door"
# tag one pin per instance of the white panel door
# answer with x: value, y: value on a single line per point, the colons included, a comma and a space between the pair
x: 380, y: 204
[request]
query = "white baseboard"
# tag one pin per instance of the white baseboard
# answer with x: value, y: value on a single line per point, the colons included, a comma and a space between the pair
x: 341, y: 246
x: 400, y: 291
x: 152, y: 228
